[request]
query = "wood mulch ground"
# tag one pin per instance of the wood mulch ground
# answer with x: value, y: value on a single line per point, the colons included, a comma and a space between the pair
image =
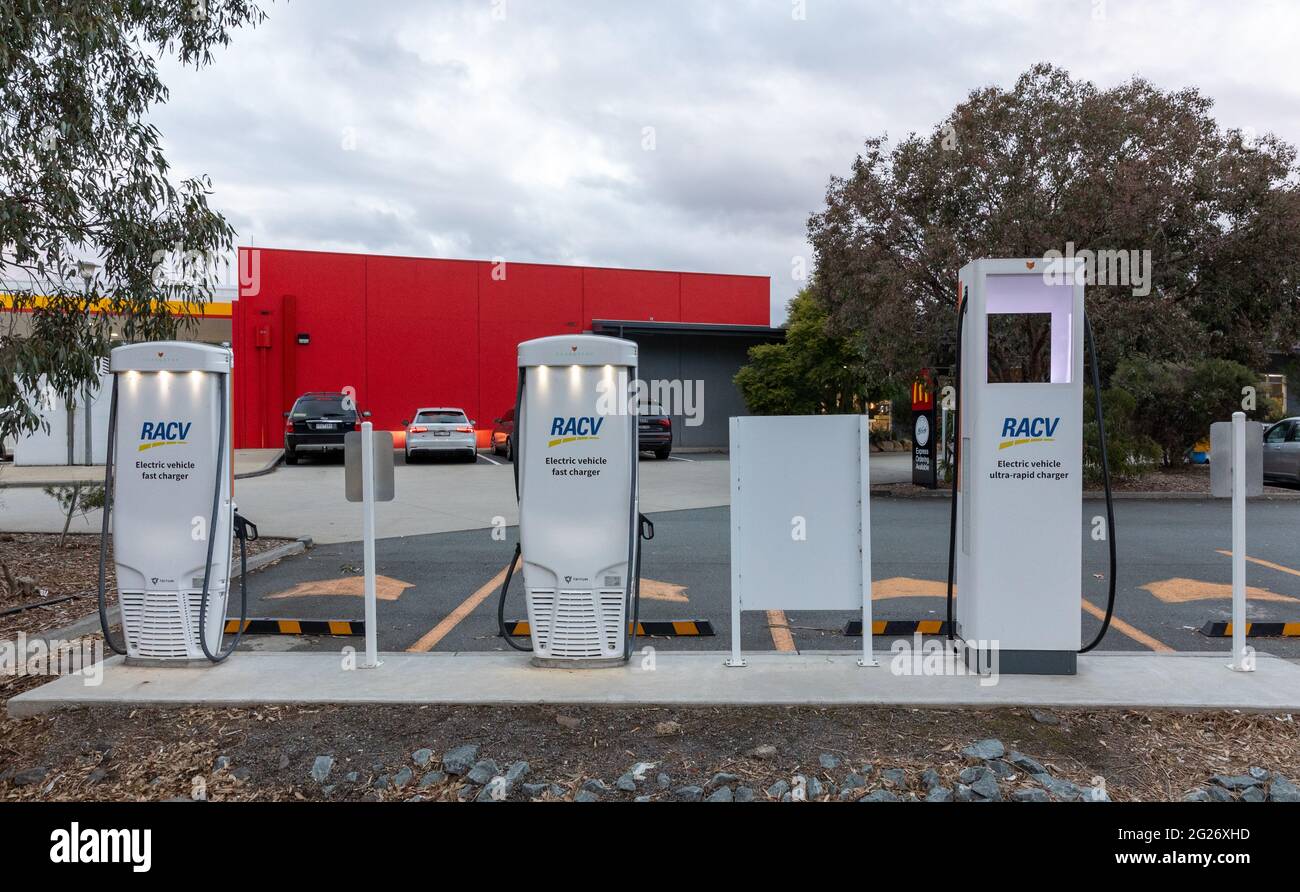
x: 72, y: 570
x: 154, y: 754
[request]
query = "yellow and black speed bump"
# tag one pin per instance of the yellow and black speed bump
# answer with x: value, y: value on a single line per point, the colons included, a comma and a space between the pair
x: 1253, y: 630
x: 680, y: 628
x: 853, y: 628
x: 339, y: 628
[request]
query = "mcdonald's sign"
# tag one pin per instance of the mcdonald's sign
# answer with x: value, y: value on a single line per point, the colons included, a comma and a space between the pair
x: 924, y: 465
x: 923, y: 392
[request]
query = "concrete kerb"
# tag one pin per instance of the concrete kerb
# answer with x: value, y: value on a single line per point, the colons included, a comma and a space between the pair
x: 1178, y: 682
x: 268, y: 465
x: 248, y: 463
x: 90, y: 622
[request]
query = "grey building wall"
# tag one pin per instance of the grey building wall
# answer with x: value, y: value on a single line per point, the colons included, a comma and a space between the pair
x: 710, y: 359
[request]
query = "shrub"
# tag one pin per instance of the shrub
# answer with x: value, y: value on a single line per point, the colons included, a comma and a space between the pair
x: 1175, y: 403
x: 1129, y: 453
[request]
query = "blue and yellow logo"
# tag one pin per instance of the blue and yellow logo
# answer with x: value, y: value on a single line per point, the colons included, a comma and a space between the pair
x: 1021, y: 431
x: 574, y: 429
x: 163, y: 433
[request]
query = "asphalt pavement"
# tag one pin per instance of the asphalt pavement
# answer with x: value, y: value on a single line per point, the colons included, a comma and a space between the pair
x: 439, y: 591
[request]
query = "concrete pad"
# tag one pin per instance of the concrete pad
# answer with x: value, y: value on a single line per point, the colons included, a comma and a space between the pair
x: 1106, y: 681
x: 308, y: 500
x: 39, y: 476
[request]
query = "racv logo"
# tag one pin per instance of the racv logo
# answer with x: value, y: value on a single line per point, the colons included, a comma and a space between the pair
x: 574, y: 429
x: 163, y: 433
x: 1021, y: 431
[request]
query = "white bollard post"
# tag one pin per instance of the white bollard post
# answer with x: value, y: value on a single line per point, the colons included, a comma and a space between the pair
x: 864, y: 519
x: 1240, y: 662
x: 368, y: 540
x: 943, y: 434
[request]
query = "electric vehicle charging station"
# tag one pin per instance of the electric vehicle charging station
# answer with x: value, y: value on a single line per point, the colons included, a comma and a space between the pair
x: 576, y: 477
x: 168, y: 484
x: 1017, y: 511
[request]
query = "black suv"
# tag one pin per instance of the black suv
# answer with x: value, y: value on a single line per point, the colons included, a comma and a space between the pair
x: 654, y: 431
x: 317, y: 423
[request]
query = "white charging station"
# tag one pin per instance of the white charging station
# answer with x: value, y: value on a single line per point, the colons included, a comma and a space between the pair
x: 1020, y: 475
x: 171, y: 426
x: 576, y: 461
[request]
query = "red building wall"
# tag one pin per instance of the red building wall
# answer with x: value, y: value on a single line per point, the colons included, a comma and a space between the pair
x: 410, y: 332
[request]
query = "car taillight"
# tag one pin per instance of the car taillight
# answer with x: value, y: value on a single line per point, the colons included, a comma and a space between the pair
x: 419, y: 430
x: 356, y: 425
x: 288, y: 427
x: 464, y: 430
x: 664, y: 422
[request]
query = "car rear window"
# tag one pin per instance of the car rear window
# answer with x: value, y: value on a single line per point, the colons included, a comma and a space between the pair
x: 442, y: 417
x: 321, y: 408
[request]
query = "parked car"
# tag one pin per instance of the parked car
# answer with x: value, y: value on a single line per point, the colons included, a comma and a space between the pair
x: 1282, y: 450
x: 654, y: 431
x: 317, y: 423
x: 441, y: 431
x: 503, y: 433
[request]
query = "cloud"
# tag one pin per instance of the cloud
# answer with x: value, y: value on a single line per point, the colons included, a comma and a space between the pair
x: 677, y: 134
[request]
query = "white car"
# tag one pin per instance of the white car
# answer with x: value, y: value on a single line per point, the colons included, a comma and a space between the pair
x: 442, y: 431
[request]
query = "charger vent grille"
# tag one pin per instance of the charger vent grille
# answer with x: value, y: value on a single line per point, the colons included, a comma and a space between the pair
x: 577, y: 624
x: 160, y: 625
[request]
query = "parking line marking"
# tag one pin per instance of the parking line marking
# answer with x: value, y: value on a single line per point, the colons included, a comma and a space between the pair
x: 675, y: 458
x: 779, y: 626
x: 490, y: 461
x: 1262, y: 562
x: 1120, y: 626
x: 431, y: 638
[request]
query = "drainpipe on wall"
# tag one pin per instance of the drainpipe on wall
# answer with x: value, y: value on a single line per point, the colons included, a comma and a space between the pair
x: 71, y: 410
x: 90, y: 454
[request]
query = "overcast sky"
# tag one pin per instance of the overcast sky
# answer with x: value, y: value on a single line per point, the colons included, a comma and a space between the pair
x: 519, y: 128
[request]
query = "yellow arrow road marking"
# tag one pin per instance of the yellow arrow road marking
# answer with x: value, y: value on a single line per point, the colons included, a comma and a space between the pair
x: 663, y: 591
x: 905, y: 587
x: 386, y: 588
x: 1181, y: 591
